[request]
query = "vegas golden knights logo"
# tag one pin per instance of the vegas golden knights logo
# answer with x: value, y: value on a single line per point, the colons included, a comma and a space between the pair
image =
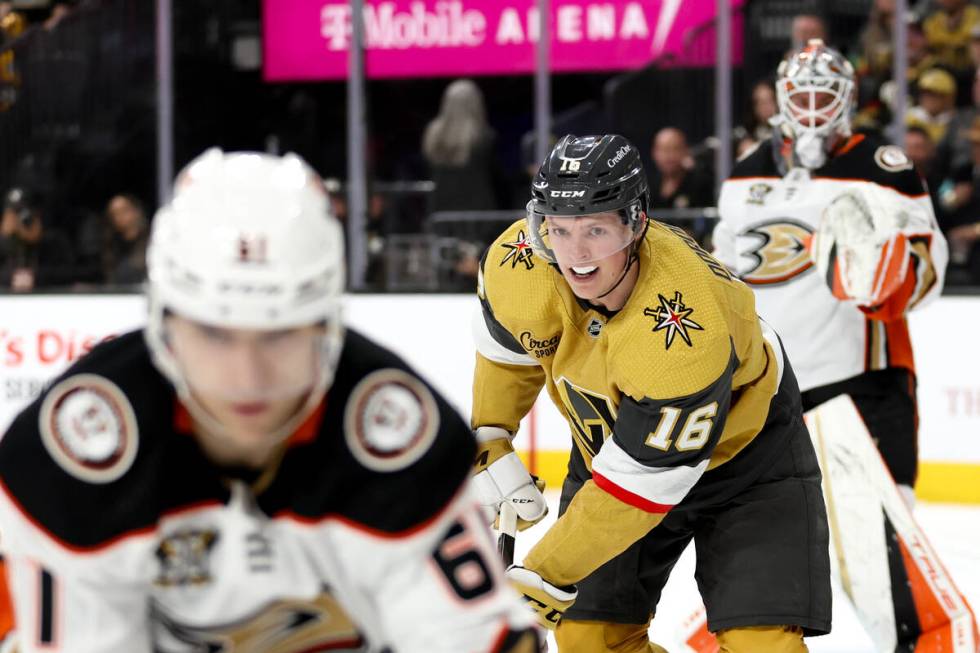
x: 591, y: 415
x: 779, y: 253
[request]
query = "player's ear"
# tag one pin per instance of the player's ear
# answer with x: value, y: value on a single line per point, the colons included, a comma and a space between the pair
x: 640, y: 231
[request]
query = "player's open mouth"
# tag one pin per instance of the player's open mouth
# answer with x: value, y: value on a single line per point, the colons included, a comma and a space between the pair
x: 584, y: 272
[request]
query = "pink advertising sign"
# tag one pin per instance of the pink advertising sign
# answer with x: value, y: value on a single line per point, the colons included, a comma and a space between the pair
x: 308, y: 39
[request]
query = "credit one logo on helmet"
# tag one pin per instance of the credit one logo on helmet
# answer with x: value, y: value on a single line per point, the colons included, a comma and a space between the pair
x: 620, y: 153
x: 309, y: 39
x: 568, y: 193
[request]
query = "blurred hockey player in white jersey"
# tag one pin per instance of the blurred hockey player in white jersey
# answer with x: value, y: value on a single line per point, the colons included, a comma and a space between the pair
x: 244, y: 474
x: 836, y: 234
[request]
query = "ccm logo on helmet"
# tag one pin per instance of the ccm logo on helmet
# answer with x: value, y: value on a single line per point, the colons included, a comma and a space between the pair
x: 620, y: 153
x: 568, y: 193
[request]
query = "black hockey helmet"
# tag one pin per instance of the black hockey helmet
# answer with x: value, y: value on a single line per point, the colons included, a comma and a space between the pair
x: 585, y: 176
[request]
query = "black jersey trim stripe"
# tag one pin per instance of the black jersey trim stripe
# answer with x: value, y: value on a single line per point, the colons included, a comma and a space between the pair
x: 736, y: 177
x: 286, y: 515
x: 289, y: 515
x: 145, y: 531
x: 849, y: 180
x: 47, y: 601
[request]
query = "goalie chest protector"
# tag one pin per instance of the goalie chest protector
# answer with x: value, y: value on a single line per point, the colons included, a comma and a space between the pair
x: 766, y: 221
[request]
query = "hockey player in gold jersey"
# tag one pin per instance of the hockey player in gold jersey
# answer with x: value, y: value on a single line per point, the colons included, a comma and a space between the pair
x: 683, y: 409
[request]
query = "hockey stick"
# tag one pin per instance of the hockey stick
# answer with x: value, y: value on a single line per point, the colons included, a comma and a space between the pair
x: 508, y: 531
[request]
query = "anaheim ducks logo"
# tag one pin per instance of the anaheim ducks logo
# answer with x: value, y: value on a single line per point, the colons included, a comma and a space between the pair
x: 780, y: 252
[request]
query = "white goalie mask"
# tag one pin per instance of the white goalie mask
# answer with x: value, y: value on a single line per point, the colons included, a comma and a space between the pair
x: 248, y: 243
x: 815, y: 94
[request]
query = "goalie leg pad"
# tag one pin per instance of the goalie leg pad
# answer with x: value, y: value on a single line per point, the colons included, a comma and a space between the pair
x: 889, y: 570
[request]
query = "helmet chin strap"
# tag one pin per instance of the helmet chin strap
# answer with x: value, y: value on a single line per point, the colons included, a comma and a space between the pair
x: 629, y: 263
x: 630, y: 260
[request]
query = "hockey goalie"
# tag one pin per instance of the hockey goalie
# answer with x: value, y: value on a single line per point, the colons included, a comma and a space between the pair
x: 835, y: 232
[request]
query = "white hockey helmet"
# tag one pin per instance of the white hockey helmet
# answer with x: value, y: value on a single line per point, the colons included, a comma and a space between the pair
x: 815, y: 94
x: 247, y: 242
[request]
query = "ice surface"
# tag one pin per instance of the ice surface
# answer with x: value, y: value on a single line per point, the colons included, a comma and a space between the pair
x: 953, y: 530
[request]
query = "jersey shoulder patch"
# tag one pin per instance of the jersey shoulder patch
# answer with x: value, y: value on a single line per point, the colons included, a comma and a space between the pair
x: 88, y: 427
x: 391, y: 420
x: 517, y: 287
x: 892, y: 158
x: 86, y: 461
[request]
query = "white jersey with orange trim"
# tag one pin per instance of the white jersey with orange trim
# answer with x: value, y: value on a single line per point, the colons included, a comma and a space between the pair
x: 120, y: 535
x: 766, y: 221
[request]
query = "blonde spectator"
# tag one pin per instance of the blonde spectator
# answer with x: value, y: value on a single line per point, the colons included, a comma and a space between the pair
x: 458, y: 145
x: 937, y: 99
x: 948, y: 32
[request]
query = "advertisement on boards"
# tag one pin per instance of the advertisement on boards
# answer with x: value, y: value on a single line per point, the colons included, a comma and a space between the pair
x: 41, y: 335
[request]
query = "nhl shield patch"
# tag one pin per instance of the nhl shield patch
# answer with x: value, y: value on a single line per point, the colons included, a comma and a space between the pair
x: 595, y: 327
x: 88, y: 426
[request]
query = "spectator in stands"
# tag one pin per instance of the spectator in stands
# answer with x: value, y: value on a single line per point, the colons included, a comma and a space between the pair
x: 675, y: 182
x: 458, y: 145
x: 922, y: 151
x: 127, y: 230
x: 874, y: 58
x: 936, y: 103
x: 948, y: 32
x: 954, y: 149
x: 12, y: 23
x: 58, y: 12
x: 920, y: 57
x: 975, y: 46
x: 31, y: 255
x: 875, y: 54
x: 756, y: 127
x: 805, y: 27
x: 963, y: 223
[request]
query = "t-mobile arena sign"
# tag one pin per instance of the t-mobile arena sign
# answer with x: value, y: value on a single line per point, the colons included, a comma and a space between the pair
x: 308, y: 39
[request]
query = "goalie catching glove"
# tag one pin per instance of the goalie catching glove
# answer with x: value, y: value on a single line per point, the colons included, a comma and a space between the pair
x: 548, y: 601
x: 499, y: 475
x: 859, y: 248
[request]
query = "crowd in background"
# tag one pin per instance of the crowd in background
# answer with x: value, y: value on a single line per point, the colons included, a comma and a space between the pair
x: 46, y: 245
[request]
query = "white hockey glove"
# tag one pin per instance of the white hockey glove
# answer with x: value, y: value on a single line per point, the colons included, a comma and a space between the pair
x: 548, y: 601
x: 859, y: 248
x: 499, y: 475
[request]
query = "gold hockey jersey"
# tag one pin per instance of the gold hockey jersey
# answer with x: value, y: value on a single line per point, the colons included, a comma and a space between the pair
x: 681, y: 380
